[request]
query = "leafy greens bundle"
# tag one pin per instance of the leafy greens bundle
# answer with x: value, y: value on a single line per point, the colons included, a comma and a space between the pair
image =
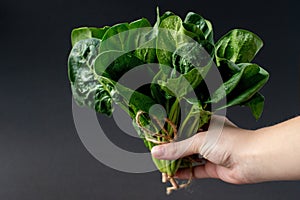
x: 185, y: 52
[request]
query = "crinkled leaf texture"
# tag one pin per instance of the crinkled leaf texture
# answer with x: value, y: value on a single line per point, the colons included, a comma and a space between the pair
x: 85, y: 85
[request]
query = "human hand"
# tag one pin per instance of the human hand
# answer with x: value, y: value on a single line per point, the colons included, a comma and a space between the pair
x: 228, y: 158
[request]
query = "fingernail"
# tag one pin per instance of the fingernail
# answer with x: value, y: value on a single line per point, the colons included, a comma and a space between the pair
x: 157, y: 151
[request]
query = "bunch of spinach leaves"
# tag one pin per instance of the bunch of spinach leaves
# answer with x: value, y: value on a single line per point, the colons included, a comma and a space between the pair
x: 185, y: 51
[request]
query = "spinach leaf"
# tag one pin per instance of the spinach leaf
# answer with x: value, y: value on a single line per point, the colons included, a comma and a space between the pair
x: 238, y: 46
x: 142, y: 40
x: 160, y: 18
x: 158, y: 94
x: 256, y: 104
x: 229, y: 85
x: 85, y: 85
x: 86, y: 33
x: 98, y: 91
x: 202, y: 24
x: 227, y: 69
x: 127, y: 37
x: 181, y: 85
x: 118, y: 42
x: 252, y: 80
x: 192, y: 55
x: 113, y: 64
x: 194, y: 117
x: 172, y: 35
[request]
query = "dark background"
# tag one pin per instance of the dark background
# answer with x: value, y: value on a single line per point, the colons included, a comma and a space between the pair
x: 42, y: 157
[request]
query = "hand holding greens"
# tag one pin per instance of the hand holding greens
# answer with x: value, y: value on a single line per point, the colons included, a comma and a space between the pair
x: 185, y: 52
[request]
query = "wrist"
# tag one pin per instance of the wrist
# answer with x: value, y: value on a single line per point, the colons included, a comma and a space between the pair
x: 253, y: 158
x: 248, y: 157
x: 262, y: 160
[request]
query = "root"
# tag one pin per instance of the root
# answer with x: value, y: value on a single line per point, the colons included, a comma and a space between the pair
x: 173, y: 127
x: 173, y: 182
x: 167, y: 138
x: 152, y: 136
x: 164, y: 177
x: 175, y: 186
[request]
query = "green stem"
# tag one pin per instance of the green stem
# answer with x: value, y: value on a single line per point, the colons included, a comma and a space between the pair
x: 174, y: 115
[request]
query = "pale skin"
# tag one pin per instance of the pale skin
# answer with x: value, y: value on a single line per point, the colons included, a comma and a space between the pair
x: 243, y: 156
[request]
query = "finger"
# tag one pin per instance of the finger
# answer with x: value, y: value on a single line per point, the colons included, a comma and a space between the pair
x: 204, y: 171
x: 175, y: 150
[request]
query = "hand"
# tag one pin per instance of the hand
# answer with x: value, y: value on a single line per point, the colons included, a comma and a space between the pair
x: 241, y: 156
x: 225, y: 158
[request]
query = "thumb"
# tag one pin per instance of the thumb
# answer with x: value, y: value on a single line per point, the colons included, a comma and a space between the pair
x: 175, y: 150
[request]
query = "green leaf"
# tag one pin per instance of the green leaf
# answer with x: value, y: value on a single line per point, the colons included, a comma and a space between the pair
x: 139, y: 23
x: 227, y: 69
x: 192, y: 55
x: 98, y: 32
x: 98, y: 91
x: 198, y: 34
x: 80, y: 34
x: 238, y: 46
x: 229, y: 85
x: 252, y: 80
x: 138, y: 33
x: 194, y: 117
x: 159, y: 95
x: 141, y: 39
x: 85, y: 86
x: 256, y: 104
x: 135, y: 101
x: 204, y: 25
x: 86, y: 33
x: 81, y: 56
x: 118, y: 42
x: 164, y: 16
x: 114, y: 64
x: 170, y: 40
x: 182, y: 85
x: 160, y: 18
x: 128, y: 37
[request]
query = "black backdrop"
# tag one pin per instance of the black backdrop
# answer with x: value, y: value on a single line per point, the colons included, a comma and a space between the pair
x: 42, y: 157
